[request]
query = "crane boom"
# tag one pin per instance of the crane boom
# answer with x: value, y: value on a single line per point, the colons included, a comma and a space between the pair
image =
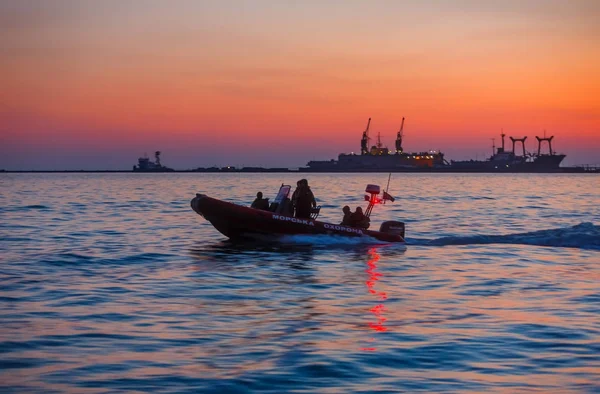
x: 364, y: 142
x: 399, y: 137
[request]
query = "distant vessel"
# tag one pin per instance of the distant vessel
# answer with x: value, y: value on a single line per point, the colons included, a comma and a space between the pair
x: 380, y: 158
x: 509, y: 161
x: 145, y: 165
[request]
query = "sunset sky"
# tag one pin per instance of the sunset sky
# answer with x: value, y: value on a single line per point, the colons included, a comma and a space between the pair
x: 96, y: 84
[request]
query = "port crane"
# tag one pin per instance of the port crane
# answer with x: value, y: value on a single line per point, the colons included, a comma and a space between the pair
x: 364, y: 142
x: 399, y: 137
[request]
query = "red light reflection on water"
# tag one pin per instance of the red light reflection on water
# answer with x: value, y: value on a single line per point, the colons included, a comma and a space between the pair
x: 377, y: 310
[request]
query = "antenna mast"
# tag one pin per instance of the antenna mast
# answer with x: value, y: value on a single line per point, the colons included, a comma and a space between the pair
x: 385, y: 192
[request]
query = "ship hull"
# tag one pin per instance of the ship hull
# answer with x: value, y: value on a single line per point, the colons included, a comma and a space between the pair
x: 542, y: 163
x: 163, y: 169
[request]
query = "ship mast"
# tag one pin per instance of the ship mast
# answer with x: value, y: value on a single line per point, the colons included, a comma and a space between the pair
x: 548, y: 139
x: 399, y: 137
x: 522, y: 141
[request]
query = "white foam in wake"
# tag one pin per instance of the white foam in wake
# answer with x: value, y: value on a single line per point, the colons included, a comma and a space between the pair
x: 303, y: 239
x: 584, y: 235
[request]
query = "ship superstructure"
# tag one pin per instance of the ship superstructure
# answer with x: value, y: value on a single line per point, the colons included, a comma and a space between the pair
x: 379, y: 158
x: 511, y: 161
x: 145, y: 165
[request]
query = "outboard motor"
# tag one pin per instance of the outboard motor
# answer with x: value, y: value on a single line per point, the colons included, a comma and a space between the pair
x: 392, y: 227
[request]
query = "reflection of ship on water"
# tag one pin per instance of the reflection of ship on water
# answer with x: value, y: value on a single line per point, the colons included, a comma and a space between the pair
x: 145, y: 165
x: 509, y: 161
x: 380, y: 158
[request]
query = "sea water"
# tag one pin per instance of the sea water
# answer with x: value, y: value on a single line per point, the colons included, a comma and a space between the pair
x: 110, y: 282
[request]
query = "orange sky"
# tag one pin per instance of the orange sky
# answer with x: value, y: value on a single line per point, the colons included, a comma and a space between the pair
x: 93, y: 85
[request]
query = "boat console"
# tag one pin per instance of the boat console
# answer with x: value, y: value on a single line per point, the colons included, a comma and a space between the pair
x: 283, y: 205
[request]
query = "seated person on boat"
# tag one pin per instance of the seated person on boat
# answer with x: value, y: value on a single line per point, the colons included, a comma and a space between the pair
x: 358, y: 219
x: 347, y: 214
x: 260, y: 202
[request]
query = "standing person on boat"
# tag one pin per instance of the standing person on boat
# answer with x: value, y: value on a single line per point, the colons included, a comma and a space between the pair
x: 260, y: 202
x: 303, y: 199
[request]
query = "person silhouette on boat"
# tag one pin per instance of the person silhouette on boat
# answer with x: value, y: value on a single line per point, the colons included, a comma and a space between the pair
x: 303, y: 199
x: 347, y: 214
x: 358, y: 219
x: 260, y: 202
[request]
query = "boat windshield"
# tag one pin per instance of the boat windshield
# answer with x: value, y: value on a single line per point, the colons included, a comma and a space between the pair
x: 282, y: 203
x: 284, y: 192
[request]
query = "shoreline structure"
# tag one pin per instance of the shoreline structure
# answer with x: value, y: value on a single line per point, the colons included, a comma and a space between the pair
x: 230, y: 169
x: 379, y: 159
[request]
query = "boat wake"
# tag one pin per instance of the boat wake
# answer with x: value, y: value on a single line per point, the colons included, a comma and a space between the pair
x: 583, y: 236
x: 328, y: 240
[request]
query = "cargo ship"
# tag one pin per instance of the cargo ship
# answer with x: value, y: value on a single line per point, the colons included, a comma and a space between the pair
x: 381, y: 159
x: 503, y: 160
x: 145, y: 165
x: 378, y: 158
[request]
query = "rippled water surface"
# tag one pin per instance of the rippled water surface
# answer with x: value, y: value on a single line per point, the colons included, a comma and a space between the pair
x: 110, y: 282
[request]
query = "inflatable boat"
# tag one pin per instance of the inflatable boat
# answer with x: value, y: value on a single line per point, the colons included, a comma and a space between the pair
x: 241, y: 222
